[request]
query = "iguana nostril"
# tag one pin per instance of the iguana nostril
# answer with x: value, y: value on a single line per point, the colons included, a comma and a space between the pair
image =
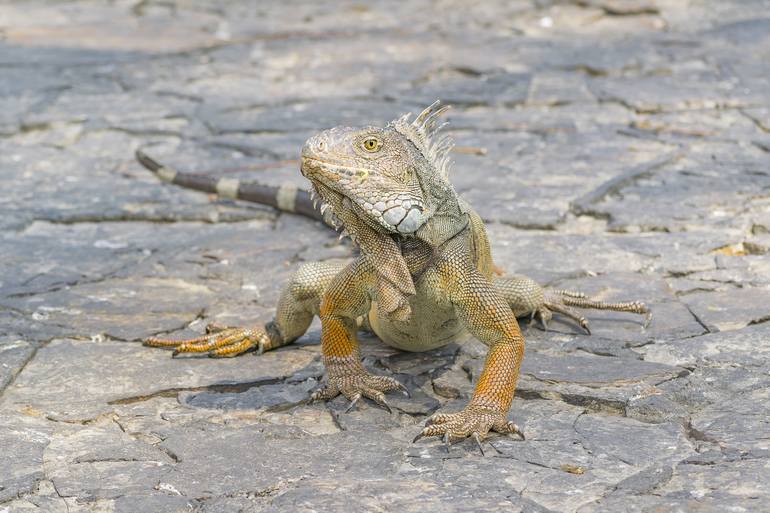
x: 321, y: 145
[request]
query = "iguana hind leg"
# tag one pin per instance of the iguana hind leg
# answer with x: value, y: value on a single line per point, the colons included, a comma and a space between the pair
x: 526, y: 297
x: 299, y: 302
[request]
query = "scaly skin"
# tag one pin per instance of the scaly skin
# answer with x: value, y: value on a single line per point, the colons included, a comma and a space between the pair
x: 425, y: 273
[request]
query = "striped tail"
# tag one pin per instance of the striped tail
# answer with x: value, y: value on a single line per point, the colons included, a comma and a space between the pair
x: 287, y: 198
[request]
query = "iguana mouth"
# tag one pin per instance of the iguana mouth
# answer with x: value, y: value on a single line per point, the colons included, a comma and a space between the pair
x: 335, y: 166
x: 332, y: 205
x: 398, y: 213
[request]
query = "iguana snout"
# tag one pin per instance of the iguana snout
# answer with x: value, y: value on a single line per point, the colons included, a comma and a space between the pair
x: 373, y: 168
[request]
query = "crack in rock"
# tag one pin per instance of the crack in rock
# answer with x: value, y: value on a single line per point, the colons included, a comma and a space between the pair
x: 225, y: 388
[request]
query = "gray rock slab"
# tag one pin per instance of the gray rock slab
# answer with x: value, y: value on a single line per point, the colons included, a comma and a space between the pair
x: 744, y: 32
x: 24, y: 437
x: 14, y: 354
x: 41, y: 188
x: 596, y: 383
x: 414, y: 495
x: 507, y: 89
x: 540, y: 163
x: 275, y: 397
x: 615, y: 147
x: 69, y: 369
x: 118, y: 307
x: 108, y: 109
x: 731, y: 309
x: 712, y: 176
x: 708, y: 488
x: 299, y: 117
x: 740, y: 425
x: 374, y: 457
x: 102, y: 462
x: 543, y: 255
x: 745, y: 347
x: 694, y: 90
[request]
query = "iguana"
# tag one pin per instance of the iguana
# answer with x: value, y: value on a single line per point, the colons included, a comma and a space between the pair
x: 424, y: 274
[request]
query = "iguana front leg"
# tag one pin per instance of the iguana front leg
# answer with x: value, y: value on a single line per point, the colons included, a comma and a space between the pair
x: 300, y: 300
x: 527, y: 298
x: 488, y: 317
x: 345, y: 300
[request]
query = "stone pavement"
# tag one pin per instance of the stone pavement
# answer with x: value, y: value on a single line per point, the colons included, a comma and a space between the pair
x: 617, y: 146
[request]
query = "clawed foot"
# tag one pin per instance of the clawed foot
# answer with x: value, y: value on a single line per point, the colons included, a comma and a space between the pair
x: 473, y: 421
x: 219, y: 342
x: 355, y: 386
x: 561, y: 301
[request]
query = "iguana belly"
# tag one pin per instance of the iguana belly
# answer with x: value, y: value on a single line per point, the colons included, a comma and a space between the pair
x: 433, y: 322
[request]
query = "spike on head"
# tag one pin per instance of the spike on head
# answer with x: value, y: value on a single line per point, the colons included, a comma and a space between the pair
x: 426, y: 135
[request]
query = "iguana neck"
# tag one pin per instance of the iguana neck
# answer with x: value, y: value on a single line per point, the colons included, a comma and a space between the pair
x: 447, y: 218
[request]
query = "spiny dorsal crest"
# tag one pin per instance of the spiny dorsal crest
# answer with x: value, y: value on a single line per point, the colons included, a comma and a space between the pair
x: 425, y: 133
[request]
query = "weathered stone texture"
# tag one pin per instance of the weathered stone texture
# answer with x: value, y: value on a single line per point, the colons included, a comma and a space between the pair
x: 617, y: 147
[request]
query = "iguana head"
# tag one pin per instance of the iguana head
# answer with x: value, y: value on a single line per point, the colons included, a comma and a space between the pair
x: 386, y: 176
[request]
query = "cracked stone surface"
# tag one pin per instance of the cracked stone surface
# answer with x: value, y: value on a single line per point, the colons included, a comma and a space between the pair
x: 619, y: 147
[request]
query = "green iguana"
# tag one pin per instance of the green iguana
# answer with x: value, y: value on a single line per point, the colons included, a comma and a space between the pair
x: 424, y: 274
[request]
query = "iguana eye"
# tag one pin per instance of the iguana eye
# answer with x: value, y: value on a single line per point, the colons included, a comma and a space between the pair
x: 371, y: 144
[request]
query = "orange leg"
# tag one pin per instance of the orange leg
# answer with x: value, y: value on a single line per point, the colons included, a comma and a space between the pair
x: 345, y: 300
x: 299, y: 302
x: 489, y: 318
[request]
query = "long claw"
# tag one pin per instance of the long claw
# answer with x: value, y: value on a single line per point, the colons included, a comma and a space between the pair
x: 380, y: 399
x: 353, y: 403
x: 515, y: 430
x: 647, y: 320
x: 159, y: 342
x: 531, y: 321
x: 447, y: 441
x: 419, y: 435
x: 478, y: 442
x: 404, y: 390
x: 323, y: 393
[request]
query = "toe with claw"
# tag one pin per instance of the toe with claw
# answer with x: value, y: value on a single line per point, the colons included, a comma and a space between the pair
x: 219, y: 342
x: 355, y: 386
x: 563, y: 301
x: 474, y: 422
